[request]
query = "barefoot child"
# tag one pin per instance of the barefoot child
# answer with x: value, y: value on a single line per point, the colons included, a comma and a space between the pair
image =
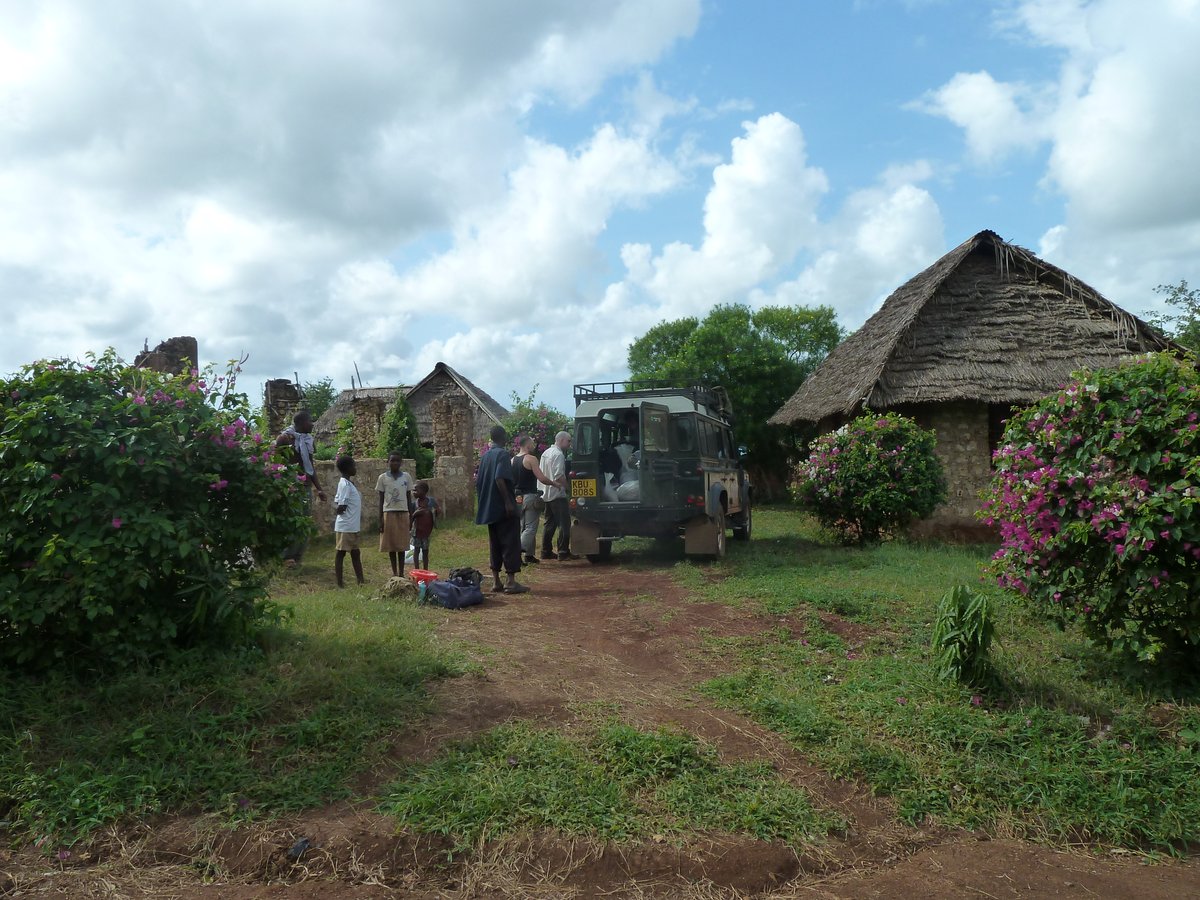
x: 347, y: 503
x: 424, y: 517
x: 395, y: 500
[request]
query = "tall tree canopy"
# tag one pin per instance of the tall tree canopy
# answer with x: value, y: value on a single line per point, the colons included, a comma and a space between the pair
x: 759, y: 356
x: 1183, y: 326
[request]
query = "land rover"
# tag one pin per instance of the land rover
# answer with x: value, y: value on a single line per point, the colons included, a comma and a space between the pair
x: 657, y: 461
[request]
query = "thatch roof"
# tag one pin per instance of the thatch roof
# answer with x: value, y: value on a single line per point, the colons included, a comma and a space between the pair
x: 339, y: 409
x: 988, y: 321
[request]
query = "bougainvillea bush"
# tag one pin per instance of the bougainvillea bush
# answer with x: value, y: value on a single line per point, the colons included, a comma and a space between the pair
x: 1095, y: 495
x: 871, y: 477
x: 140, y: 513
x: 539, y: 421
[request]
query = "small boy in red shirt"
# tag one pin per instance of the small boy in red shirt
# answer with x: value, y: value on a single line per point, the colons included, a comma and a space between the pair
x: 424, y: 517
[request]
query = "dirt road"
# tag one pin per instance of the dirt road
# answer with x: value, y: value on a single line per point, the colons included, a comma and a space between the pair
x: 633, y: 641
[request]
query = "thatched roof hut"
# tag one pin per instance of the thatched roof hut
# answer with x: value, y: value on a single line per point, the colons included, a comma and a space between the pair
x: 989, y: 322
x: 987, y: 327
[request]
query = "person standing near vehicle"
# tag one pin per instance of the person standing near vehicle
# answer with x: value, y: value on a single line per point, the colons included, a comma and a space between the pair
x: 558, y: 511
x: 299, y: 437
x: 526, y: 475
x: 496, y: 507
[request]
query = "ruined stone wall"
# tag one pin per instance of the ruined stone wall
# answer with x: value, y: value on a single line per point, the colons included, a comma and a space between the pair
x: 281, y: 400
x: 368, y: 415
x: 452, y: 424
x: 172, y: 356
x: 369, y: 471
x: 453, y: 486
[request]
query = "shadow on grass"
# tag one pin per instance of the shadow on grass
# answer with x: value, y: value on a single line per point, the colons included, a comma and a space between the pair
x: 242, y: 734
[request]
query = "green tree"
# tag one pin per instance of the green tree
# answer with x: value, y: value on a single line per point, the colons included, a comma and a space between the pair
x: 760, y: 357
x: 1183, y: 326
x: 398, y: 434
x: 318, y: 396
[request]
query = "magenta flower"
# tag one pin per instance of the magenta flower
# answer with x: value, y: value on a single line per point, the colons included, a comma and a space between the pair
x: 55, y: 477
x: 976, y: 700
x: 116, y: 522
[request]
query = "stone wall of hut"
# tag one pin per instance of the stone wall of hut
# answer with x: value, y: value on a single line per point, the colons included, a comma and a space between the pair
x: 964, y: 450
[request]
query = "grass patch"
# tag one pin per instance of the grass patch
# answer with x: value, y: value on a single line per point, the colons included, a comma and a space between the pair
x: 613, y: 782
x: 242, y: 735
x: 1064, y: 749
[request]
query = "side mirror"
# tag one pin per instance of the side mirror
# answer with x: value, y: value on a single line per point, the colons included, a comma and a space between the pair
x: 742, y: 451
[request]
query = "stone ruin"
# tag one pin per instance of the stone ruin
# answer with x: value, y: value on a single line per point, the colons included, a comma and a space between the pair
x: 367, y: 413
x: 453, y: 425
x: 281, y: 401
x: 171, y: 357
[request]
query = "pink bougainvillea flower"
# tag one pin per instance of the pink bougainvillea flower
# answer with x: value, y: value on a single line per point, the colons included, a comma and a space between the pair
x: 117, y: 522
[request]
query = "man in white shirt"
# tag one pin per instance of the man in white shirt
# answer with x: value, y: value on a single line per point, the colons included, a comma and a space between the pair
x: 558, y: 505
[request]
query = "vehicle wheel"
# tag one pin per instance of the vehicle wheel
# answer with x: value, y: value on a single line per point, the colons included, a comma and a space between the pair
x: 744, y: 524
x: 604, y: 554
x: 719, y: 521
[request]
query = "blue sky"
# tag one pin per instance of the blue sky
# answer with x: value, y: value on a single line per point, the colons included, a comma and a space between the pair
x: 522, y: 189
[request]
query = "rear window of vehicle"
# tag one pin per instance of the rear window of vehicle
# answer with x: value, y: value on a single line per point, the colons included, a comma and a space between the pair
x: 585, y: 437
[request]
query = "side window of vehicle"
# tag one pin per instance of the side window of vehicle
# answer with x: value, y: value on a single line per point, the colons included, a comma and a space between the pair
x: 708, y: 438
x: 726, y: 451
x: 683, y: 432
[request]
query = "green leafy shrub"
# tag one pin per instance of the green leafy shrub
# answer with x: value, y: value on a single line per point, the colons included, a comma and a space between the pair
x: 141, y: 513
x: 1096, y: 498
x: 962, y: 636
x: 873, y: 475
x: 398, y: 434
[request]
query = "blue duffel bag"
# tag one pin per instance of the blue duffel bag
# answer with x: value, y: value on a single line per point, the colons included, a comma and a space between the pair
x: 453, y: 594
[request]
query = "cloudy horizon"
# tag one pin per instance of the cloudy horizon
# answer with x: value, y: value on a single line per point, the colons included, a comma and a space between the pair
x: 523, y: 191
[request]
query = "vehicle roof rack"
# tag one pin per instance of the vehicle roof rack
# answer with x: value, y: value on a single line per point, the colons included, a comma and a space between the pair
x: 714, y: 398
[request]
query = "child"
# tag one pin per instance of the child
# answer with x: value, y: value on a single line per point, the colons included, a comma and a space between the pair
x: 424, y: 517
x: 347, y: 503
x: 395, y: 499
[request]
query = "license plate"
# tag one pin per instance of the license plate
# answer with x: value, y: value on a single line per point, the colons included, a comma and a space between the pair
x: 583, y: 487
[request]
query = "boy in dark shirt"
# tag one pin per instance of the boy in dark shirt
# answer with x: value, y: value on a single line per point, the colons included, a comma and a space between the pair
x: 424, y: 517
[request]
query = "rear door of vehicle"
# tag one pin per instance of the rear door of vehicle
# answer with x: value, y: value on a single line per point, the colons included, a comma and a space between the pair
x: 656, y: 468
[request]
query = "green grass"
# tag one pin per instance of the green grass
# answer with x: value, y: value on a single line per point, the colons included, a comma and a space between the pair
x: 1064, y: 749
x: 239, y: 735
x: 613, y: 782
